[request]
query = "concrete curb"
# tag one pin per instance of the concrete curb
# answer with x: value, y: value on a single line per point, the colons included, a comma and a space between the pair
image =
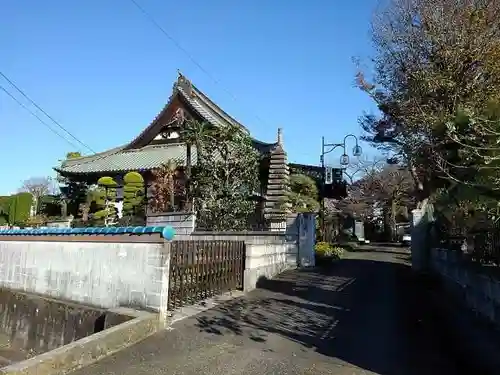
x: 90, y: 349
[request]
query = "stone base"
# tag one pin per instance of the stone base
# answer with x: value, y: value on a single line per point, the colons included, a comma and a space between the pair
x: 182, y: 222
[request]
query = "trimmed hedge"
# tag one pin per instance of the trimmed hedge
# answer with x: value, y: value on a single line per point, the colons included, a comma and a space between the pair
x: 20, y: 208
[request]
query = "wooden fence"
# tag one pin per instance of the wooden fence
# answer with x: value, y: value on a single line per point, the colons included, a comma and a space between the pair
x: 200, y: 269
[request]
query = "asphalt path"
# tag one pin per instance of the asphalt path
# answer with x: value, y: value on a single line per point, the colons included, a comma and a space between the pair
x: 363, y: 315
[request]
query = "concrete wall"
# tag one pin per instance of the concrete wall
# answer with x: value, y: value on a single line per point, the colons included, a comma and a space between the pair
x: 114, y: 270
x: 101, y: 270
x: 477, y: 290
x: 467, y: 299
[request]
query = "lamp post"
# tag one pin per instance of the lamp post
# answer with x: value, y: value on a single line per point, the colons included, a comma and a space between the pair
x: 344, y: 161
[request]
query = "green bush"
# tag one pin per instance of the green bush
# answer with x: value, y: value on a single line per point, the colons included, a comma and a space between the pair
x: 105, y: 197
x: 133, y: 193
x: 106, y: 182
x: 133, y: 178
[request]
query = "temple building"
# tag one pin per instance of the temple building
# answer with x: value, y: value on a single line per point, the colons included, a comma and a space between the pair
x: 161, y: 141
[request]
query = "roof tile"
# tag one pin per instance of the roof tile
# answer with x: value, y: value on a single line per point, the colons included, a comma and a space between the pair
x: 145, y: 158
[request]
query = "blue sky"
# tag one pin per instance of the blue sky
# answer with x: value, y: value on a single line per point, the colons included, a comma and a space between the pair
x: 104, y: 71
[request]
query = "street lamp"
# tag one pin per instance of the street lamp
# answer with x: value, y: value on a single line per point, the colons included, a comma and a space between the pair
x: 344, y: 161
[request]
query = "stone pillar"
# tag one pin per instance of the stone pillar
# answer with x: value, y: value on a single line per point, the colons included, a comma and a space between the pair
x: 165, y: 277
x: 307, y: 239
x: 422, y: 218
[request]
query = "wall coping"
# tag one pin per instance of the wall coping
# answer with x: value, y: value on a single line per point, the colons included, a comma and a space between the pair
x: 87, y: 233
x: 174, y: 213
x: 117, y: 238
x: 120, y: 234
x: 267, y: 233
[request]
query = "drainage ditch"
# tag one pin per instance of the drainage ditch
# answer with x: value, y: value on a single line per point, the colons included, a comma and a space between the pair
x: 31, y: 324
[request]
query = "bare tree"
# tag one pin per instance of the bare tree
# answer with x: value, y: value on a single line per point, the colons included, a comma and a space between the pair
x: 362, y: 167
x: 436, y: 85
x: 381, y: 187
x: 39, y: 187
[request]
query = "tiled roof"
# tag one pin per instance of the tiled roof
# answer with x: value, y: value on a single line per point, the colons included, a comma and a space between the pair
x: 118, y: 160
x: 202, y: 104
x: 129, y: 157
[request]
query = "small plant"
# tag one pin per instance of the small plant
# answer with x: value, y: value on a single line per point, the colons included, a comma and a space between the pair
x: 322, y: 248
x: 334, y: 252
x: 326, y: 251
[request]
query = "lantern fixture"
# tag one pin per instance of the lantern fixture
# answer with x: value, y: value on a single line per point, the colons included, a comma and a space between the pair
x: 357, y: 150
x: 344, y: 160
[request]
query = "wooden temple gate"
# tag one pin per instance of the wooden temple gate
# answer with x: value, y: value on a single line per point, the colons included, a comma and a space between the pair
x: 200, y: 269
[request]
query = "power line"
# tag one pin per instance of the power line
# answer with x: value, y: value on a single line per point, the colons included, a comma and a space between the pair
x: 42, y: 121
x: 43, y: 111
x: 186, y: 52
x: 36, y: 116
x: 46, y: 114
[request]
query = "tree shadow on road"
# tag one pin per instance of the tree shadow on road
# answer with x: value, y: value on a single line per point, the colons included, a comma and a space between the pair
x: 364, y: 312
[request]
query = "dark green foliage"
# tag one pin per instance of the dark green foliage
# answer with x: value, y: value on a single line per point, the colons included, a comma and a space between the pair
x: 133, y: 194
x: 4, y: 210
x: 73, y: 192
x: 303, y: 194
x: 225, y: 176
x: 50, y: 206
x: 4, y: 204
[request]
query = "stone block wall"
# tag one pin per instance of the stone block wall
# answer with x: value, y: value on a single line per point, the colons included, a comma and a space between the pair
x: 183, y: 222
x: 59, y: 224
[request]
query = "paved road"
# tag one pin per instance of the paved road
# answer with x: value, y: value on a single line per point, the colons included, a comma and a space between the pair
x: 362, y: 316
